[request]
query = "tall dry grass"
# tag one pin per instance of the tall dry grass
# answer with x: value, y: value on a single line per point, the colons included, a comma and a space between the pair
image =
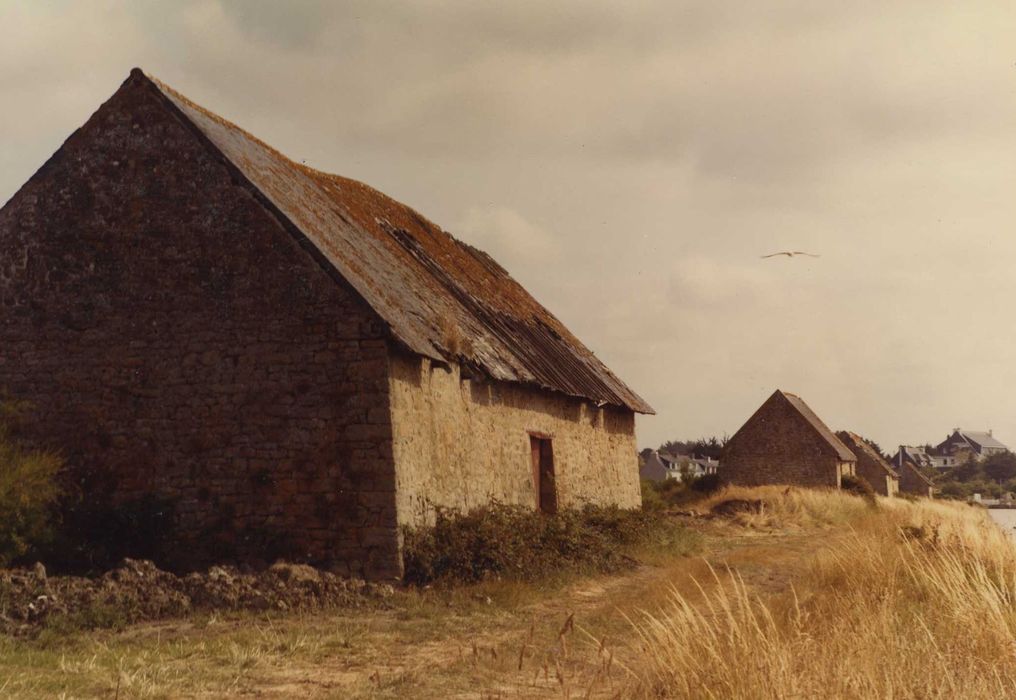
x: 909, y: 599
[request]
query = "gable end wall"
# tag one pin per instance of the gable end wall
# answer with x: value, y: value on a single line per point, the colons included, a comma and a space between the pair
x: 778, y: 446
x: 875, y: 474
x: 912, y: 483
x: 176, y: 341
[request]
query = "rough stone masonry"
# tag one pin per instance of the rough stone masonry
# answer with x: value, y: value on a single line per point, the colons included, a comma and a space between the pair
x: 296, y: 362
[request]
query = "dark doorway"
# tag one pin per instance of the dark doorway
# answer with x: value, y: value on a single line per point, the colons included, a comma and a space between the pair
x: 543, y: 474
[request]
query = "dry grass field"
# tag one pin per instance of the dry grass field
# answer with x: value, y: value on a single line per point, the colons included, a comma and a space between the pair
x: 790, y: 593
x: 905, y: 600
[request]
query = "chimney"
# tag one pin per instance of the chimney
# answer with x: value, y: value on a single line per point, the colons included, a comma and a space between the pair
x: 989, y: 433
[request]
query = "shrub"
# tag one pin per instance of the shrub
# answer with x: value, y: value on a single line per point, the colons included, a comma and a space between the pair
x: 515, y: 542
x: 954, y: 489
x: 707, y: 483
x: 659, y: 495
x: 987, y: 489
x: 858, y: 486
x: 28, y: 490
x: 671, y: 490
x: 651, y: 497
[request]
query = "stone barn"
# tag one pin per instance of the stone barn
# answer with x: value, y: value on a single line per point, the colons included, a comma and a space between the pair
x: 784, y: 442
x: 871, y: 465
x: 914, y: 481
x: 285, y: 356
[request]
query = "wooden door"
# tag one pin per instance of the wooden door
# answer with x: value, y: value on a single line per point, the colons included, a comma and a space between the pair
x: 543, y: 474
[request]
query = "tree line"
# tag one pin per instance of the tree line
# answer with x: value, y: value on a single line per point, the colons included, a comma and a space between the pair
x: 991, y: 477
x: 711, y: 447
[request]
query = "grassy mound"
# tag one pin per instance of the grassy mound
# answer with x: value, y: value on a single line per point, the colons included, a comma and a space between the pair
x: 781, y: 507
x: 910, y: 599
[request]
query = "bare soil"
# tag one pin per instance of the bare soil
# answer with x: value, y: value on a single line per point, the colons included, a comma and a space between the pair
x: 493, y: 640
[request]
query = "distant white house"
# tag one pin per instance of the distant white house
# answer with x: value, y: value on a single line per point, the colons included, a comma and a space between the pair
x: 953, y: 451
x: 924, y: 458
x: 981, y: 445
x: 658, y: 466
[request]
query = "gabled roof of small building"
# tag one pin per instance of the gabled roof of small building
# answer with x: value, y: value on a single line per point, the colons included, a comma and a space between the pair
x: 439, y: 297
x: 858, y: 445
x: 820, y: 428
x: 907, y: 464
x: 918, y: 455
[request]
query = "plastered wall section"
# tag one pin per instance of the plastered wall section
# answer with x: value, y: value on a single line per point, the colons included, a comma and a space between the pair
x: 461, y: 443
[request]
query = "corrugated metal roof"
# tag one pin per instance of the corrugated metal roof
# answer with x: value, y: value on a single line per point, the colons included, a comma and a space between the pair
x: 441, y: 298
x: 797, y: 402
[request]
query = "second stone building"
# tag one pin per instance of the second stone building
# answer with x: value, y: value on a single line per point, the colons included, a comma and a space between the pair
x: 784, y: 442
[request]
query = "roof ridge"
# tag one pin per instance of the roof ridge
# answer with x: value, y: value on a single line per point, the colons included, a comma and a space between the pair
x: 164, y: 87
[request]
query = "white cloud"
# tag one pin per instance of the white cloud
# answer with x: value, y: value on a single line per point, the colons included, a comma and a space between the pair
x: 507, y: 235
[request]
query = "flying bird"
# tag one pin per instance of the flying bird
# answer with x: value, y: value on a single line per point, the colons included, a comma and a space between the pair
x: 790, y: 254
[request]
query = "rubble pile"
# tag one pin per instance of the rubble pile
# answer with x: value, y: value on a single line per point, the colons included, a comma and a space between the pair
x: 138, y: 590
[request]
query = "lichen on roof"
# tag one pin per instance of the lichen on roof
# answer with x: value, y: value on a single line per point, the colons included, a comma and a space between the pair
x: 440, y: 298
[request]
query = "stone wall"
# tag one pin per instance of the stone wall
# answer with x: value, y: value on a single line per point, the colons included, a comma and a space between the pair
x: 176, y: 340
x: 778, y: 446
x: 459, y: 443
x: 870, y: 464
x: 911, y: 481
x: 875, y: 474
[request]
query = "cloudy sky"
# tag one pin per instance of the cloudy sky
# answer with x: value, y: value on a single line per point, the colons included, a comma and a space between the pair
x: 630, y: 162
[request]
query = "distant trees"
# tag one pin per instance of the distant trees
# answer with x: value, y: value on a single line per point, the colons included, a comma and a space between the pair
x: 703, y: 447
x: 1000, y: 467
x: 992, y: 477
x: 969, y: 470
x: 875, y: 446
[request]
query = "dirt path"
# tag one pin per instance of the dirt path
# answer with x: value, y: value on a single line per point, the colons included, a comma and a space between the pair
x: 521, y: 642
x: 573, y: 643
